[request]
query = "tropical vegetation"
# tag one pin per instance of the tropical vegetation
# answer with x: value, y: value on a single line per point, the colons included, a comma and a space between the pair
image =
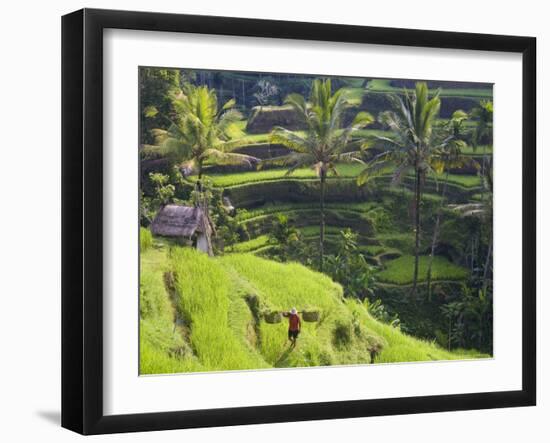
x: 365, y: 202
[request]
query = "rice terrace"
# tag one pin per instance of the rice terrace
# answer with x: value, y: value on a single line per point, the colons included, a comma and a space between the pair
x: 291, y: 220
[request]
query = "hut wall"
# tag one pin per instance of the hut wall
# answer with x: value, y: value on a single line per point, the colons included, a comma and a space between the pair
x: 202, y: 243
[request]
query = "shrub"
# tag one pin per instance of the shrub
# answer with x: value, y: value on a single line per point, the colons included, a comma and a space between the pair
x: 380, y: 313
x: 342, y: 333
x: 349, y: 268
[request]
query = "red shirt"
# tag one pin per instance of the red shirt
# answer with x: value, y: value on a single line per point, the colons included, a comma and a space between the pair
x: 293, y: 322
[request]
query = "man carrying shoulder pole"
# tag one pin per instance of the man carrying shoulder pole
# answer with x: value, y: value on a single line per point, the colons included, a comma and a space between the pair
x: 294, y: 325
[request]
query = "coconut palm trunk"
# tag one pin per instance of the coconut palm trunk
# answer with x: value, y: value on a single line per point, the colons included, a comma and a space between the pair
x: 326, y: 142
x: 450, y: 331
x: 483, y: 166
x: 322, y: 220
x: 487, y: 261
x: 412, y: 146
x: 418, y: 194
x: 435, y: 236
x: 199, y: 169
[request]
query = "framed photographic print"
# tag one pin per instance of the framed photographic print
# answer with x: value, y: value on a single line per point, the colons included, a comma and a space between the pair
x: 271, y: 221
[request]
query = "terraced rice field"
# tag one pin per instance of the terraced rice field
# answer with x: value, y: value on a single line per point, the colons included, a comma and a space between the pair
x: 206, y: 316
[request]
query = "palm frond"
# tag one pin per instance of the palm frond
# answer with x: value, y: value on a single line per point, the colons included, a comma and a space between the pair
x: 229, y: 104
x: 227, y: 120
x: 297, y: 102
x: 469, y: 209
x: 291, y: 140
x: 349, y: 157
x: 362, y: 119
x: 373, y: 169
x: 399, y: 173
x: 231, y: 145
x: 298, y: 161
x: 176, y: 148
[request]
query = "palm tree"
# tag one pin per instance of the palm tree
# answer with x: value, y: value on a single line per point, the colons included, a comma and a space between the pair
x: 200, y: 131
x: 483, y: 115
x: 483, y: 211
x: 411, y: 148
x: 324, y: 142
x: 447, y: 156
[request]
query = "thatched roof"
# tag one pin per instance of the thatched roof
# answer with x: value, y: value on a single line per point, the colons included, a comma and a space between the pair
x: 180, y: 221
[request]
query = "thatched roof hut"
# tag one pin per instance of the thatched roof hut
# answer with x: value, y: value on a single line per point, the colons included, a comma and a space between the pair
x: 184, y: 222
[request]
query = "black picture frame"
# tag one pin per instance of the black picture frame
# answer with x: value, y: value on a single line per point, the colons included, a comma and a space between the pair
x: 82, y: 218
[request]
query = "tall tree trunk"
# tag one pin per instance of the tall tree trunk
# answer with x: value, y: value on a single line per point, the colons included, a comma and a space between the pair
x: 322, y: 222
x: 449, y: 334
x: 480, y: 338
x: 417, y: 229
x: 483, y: 167
x: 487, y: 261
x: 199, y: 169
x: 434, y: 238
x: 472, y: 258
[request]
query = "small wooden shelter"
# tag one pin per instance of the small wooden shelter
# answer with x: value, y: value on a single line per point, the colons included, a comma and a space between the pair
x: 185, y: 222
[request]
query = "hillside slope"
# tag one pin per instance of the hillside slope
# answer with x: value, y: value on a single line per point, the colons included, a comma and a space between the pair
x: 205, y: 314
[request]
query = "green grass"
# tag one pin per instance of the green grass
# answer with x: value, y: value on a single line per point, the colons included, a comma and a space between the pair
x: 400, y: 347
x: 281, y: 287
x: 402, y: 241
x: 465, y: 181
x: 220, y: 330
x: 383, y: 85
x: 162, y: 346
x: 479, y: 151
x: 347, y: 171
x: 145, y: 238
x: 270, y: 209
x: 261, y: 242
x: 204, y: 299
x: 239, y: 133
x: 400, y: 270
x: 250, y: 245
x: 313, y: 231
x: 239, y: 178
x: 375, y: 250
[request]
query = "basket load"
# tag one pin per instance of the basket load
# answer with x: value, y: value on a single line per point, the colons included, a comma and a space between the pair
x: 272, y: 317
x: 311, y: 315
